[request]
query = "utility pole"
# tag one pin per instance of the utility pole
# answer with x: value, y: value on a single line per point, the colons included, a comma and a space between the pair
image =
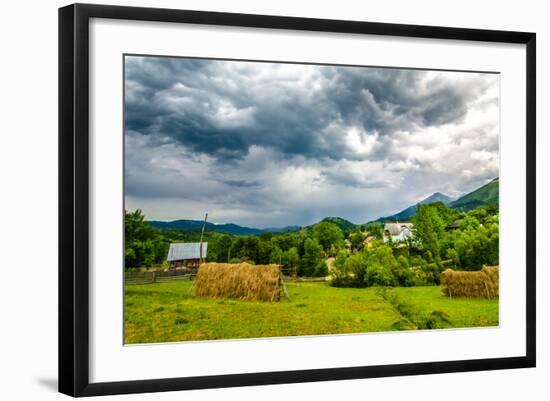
x: 202, y: 236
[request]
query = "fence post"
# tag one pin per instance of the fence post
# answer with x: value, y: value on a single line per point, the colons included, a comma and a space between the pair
x: 154, y: 277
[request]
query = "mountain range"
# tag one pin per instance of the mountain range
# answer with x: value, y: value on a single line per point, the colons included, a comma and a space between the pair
x: 488, y: 193
x: 483, y: 195
x: 409, y: 212
x: 230, y: 228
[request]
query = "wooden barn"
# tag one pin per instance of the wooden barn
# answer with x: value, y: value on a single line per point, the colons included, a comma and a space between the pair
x: 187, y: 254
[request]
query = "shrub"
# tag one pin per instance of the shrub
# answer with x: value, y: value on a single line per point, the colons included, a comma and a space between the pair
x: 321, y: 270
x: 340, y: 260
x: 349, y: 271
x: 435, y: 320
x: 403, y: 262
x: 378, y: 274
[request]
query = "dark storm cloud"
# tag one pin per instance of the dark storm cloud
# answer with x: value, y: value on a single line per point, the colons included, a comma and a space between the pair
x: 242, y: 183
x: 222, y: 108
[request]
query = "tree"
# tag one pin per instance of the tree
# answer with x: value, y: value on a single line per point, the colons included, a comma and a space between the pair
x: 276, y: 255
x: 452, y: 254
x: 328, y: 235
x: 429, y: 228
x: 356, y: 239
x: 245, y: 248
x: 144, y: 245
x: 264, y: 251
x: 313, y: 263
x: 291, y: 258
x: 376, y: 230
x: 285, y: 241
x: 477, y: 244
x: 340, y: 259
x: 218, y: 247
x: 469, y: 222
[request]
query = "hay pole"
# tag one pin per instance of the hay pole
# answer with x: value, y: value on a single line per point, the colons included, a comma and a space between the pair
x: 283, y: 286
x: 190, y: 288
x: 202, y: 236
x: 282, y: 282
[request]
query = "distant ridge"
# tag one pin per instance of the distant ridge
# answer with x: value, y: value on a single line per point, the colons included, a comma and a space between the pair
x: 485, y: 194
x: 234, y: 229
x: 343, y: 224
x: 196, y: 225
x: 409, y: 212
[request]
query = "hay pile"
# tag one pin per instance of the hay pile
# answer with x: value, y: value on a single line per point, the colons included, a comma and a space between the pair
x: 478, y: 284
x: 242, y: 281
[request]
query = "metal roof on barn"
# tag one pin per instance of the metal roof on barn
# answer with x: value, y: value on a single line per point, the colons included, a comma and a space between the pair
x: 186, y: 251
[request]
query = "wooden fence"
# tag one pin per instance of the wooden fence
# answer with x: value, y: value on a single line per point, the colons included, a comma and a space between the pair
x: 158, y: 276
x: 188, y: 274
x: 295, y: 279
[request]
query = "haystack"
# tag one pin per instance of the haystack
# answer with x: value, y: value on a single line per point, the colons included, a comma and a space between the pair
x: 478, y: 284
x: 241, y: 281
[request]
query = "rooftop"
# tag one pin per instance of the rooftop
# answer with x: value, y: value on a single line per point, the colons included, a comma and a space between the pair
x: 186, y: 251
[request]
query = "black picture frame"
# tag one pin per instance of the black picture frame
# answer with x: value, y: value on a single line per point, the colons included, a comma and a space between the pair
x: 74, y: 198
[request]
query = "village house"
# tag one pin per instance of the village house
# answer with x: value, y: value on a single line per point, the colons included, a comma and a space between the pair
x: 368, y: 241
x: 397, y: 232
x: 187, y: 255
x: 455, y: 225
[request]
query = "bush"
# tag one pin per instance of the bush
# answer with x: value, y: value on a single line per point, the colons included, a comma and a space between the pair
x: 340, y: 260
x: 378, y: 274
x: 417, y: 261
x: 403, y: 262
x: 349, y: 271
x: 321, y: 270
x: 435, y: 320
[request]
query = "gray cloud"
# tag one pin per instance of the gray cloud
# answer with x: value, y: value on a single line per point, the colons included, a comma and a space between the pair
x: 242, y: 183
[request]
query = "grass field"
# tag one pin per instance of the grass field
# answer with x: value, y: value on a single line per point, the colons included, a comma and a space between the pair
x: 167, y: 312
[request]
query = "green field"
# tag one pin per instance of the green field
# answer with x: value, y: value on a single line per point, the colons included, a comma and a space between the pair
x: 167, y: 312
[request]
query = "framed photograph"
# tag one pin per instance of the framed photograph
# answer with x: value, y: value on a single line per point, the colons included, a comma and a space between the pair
x: 251, y: 199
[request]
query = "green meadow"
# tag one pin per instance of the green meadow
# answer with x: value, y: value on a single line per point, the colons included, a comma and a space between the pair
x: 166, y: 312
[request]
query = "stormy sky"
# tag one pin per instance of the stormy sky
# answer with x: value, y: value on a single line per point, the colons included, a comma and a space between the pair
x: 273, y: 144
